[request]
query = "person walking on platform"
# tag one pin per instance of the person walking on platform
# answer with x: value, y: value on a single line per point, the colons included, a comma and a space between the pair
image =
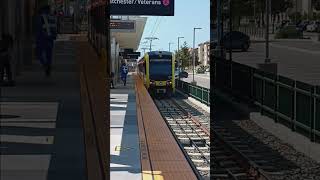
x: 124, y: 73
x: 45, y: 36
x: 112, y: 76
x: 6, y: 45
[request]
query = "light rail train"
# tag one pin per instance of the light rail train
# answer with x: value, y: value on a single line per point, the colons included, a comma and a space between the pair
x: 157, y: 69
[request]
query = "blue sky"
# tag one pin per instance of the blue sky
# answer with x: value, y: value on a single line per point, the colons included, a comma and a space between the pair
x: 188, y: 14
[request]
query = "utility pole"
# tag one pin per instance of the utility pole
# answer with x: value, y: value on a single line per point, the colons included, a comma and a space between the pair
x: 254, y: 12
x: 268, y: 8
x: 219, y: 29
x: 194, y: 56
x: 179, y: 63
x: 296, y: 15
x: 230, y: 29
x: 169, y: 45
x: 144, y: 50
x: 267, y: 66
x: 151, y: 39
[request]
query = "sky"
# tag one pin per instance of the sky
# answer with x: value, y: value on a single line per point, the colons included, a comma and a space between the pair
x: 188, y: 14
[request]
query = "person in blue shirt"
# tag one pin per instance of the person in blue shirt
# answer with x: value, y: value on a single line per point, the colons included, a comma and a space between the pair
x: 46, y: 33
x: 124, y: 73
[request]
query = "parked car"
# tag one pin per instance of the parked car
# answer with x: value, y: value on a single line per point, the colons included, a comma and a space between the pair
x: 182, y: 74
x: 314, y: 26
x: 201, y: 70
x: 239, y: 40
x: 303, y: 25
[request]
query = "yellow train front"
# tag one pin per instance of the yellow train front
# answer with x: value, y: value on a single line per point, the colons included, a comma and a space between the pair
x: 157, y: 69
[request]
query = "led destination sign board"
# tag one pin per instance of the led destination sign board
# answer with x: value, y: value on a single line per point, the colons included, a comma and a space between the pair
x: 142, y: 7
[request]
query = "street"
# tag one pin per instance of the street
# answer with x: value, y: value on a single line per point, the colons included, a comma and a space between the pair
x: 202, y: 80
x: 294, y: 57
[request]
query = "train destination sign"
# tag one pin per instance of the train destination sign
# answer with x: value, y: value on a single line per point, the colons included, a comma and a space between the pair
x: 130, y: 55
x: 142, y: 7
x: 123, y: 25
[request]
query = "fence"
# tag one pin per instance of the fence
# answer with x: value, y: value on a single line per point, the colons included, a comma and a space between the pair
x: 200, y: 93
x: 292, y: 103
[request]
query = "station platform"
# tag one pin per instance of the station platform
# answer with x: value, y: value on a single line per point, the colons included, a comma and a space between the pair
x: 41, y: 130
x: 142, y: 147
x: 55, y: 128
x: 124, y: 138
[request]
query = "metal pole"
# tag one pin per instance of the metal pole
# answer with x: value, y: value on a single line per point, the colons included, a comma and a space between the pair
x: 150, y: 44
x: 178, y: 54
x: 267, y: 60
x: 151, y: 38
x: 219, y: 35
x: 296, y: 16
x: 254, y: 11
x: 178, y: 60
x: 230, y: 29
x: 170, y: 46
x: 193, y: 54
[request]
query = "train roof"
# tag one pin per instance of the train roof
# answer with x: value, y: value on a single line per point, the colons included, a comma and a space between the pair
x: 159, y: 52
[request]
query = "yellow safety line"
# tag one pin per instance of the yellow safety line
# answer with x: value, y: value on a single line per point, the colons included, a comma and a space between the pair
x: 152, y: 175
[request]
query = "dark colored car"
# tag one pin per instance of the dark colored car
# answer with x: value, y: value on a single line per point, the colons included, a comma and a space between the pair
x: 239, y: 40
x: 183, y: 74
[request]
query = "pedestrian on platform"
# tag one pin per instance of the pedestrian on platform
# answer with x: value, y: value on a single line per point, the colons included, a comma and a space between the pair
x: 45, y: 36
x: 124, y: 73
x: 111, y: 79
x: 6, y: 46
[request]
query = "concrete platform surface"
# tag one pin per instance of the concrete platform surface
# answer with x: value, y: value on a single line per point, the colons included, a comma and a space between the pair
x: 124, y: 147
x: 41, y: 131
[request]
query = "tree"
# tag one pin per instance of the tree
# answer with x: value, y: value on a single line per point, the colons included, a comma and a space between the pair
x: 183, y: 55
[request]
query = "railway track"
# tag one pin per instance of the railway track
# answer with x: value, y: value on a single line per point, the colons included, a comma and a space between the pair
x: 193, y: 134
x: 231, y: 163
x: 193, y: 138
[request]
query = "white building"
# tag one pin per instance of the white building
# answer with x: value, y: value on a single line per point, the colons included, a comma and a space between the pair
x: 204, y: 53
x: 302, y: 6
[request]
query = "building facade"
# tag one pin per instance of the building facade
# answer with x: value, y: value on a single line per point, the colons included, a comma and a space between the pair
x: 195, y: 51
x: 204, y: 53
x: 302, y: 6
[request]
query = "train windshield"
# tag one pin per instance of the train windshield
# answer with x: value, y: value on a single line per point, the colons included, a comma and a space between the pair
x: 160, y: 69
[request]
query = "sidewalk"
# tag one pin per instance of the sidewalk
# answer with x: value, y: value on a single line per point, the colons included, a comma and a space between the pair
x: 41, y: 129
x: 124, y: 148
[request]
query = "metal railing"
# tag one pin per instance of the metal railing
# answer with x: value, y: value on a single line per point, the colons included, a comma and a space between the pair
x: 292, y: 103
x: 199, y: 93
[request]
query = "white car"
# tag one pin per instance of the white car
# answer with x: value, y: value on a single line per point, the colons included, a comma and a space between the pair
x: 314, y: 26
